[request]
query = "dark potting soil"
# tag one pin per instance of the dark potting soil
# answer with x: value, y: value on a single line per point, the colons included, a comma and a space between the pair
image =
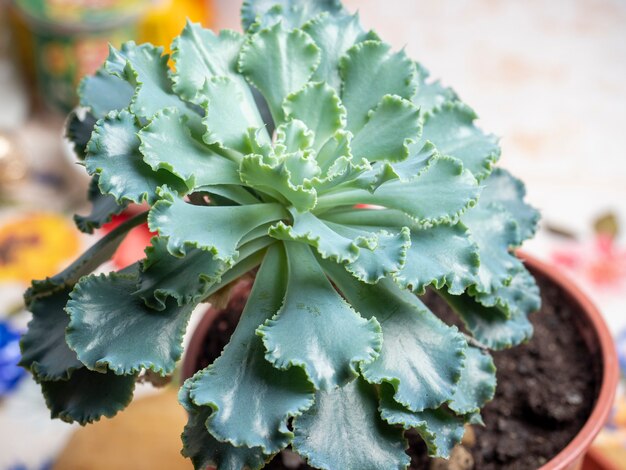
x: 546, y: 389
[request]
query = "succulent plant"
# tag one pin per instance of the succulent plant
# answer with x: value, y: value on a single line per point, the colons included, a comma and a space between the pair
x: 310, y: 148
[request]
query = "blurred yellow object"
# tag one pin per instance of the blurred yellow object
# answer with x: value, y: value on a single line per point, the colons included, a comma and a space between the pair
x: 35, y: 246
x: 166, y: 19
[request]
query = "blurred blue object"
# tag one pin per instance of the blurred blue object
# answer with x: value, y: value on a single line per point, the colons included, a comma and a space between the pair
x: 10, y: 372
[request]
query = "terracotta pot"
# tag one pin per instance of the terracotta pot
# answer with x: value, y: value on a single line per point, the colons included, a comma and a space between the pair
x: 592, y: 328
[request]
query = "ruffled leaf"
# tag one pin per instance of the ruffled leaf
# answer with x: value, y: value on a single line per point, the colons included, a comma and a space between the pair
x: 439, y: 194
x: 206, y: 451
x: 113, y: 154
x: 216, y: 229
x: 88, y: 396
x: 294, y: 13
x: 370, y: 71
x: 329, y: 356
x: 319, y: 107
x: 145, y: 68
x: 104, y: 92
x: 44, y: 350
x: 431, y: 94
x: 230, y: 113
x: 200, y: 55
x: 110, y: 328
x: 440, y: 429
x: 505, y: 190
x: 252, y: 400
x: 477, y: 385
x: 78, y: 129
x: 343, y: 420
x: 103, y: 208
x: 421, y: 357
x: 443, y: 255
x: 167, y: 144
x: 388, y: 130
x: 100, y: 252
x: 334, y: 35
x: 278, y: 62
x: 274, y: 176
x: 451, y: 128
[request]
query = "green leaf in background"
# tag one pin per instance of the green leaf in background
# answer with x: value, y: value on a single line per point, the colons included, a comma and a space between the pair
x: 251, y: 400
x: 206, y: 451
x: 319, y: 108
x: 370, y: 71
x: 443, y: 255
x: 421, y: 357
x: 113, y: 154
x: 88, y: 396
x: 440, y: 429
x: 167, y: 145
x: 78, y: 129
x: 330, y: 356
x: 216, y: 229
x: 477, y: 385
x: 278, y: 62
x: 451, y: 128
x: 345, y: 419
x: 388, y: 130
x: 108, y: 327
x: 334, y: 35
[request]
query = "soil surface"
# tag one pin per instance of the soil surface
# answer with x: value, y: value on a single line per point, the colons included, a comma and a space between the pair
x: 546, y: 390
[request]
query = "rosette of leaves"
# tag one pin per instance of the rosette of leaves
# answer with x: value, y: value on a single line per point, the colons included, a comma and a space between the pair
x: 311, y: 149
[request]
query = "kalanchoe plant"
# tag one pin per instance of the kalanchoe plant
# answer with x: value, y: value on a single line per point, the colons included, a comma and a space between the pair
x: 310, y: 148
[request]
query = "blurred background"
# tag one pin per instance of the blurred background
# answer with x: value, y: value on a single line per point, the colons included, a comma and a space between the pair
x: 548, y: 77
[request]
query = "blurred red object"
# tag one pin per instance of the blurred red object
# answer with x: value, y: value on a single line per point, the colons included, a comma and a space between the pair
x: 132, y: 248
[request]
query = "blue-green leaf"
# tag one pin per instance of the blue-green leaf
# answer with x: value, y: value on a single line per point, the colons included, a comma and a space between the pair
x: 104, y: 92
x: 278, y: 62
x: 439, y: 194
x: 206, y: 451
x: 199, y: 55
x: 440, y: 429
x: 335, y: 35
x: 389, y: 128
x: 112, y: 329
x: 145, y: 68
x: 443, y: 255
x: 505, y: 190
x: 113, y: 154
x: 451, y: 128
x: 78, y: 129
x: 319, y: 107
x: 230, y: 113
x: 421, y: 357
x: 252, y: 400
x: 330, y: 356
x: 91, y: 259
x: 346, y: 419
x: 167, y: 144
x: 477, y: 385
x: 44, y: 350
x: 87, y: 396
x: 216, y: 229
x: 370, y: 71
x: 294, y: 13
x: 431, y: 94
x: 103, y: 208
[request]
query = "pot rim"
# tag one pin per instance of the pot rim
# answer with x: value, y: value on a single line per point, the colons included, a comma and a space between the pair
x: 578, y: 446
